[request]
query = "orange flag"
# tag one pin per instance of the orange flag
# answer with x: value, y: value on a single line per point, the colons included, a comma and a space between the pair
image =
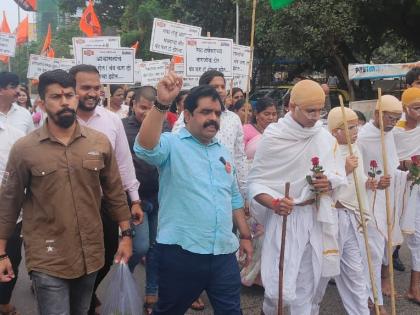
x: 89, y: 22
x: 177, y: 59
x: 4, y: 27
x: 136, y: 46
x: 47, y: 50
x: 22, y: 32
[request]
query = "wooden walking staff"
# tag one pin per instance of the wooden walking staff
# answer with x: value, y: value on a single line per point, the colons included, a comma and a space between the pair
x: 388, y: 206
x: 251, y: 57
x: 283, y: 245
x: 362, y: 212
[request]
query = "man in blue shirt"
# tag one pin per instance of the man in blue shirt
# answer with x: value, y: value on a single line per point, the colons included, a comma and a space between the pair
x: 198, y: 198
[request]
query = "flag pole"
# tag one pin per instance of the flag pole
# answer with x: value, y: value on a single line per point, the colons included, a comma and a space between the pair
x: 251, y: 57
x: 388, y: 207
x: 362, y: 212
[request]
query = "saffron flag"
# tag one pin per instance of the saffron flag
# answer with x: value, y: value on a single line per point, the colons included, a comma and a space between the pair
x: 22, y: 31
x: 4, y: 27
x: 280, y: 4
x: 47, y: 50
x: 177, y: 59
x: 27, y: 5
x: 136, y: 46
x: 89, y: 22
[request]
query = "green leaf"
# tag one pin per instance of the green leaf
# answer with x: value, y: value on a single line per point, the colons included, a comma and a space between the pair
x: 309, y: 179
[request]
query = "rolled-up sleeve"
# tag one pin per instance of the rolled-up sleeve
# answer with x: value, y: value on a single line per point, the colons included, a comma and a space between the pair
x: 12, y: 188
x: 159, y: 154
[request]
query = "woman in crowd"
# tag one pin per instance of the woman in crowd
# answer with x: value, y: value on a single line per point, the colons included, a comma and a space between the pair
x: 265, y: 113
x: 116, y: 103
x: 24, y: 98
x: 177, y: 108
x: 239, y: 108
x: 236, y: 95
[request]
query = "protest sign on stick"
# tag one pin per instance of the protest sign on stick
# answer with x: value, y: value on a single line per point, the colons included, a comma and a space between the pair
x: 169, y: 37
x: 40, y: 64
x: 241, y: 61
x: 115, y: 65
x: 7, y: 44
x: 208, y: 53
x: 188, y: 82
x: 89, y: 42
x: 137, y: 70
x: 151, y: 72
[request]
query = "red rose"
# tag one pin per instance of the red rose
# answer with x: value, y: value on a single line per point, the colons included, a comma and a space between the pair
x: 373, y: 164
x: 415, y: 159
x: 315, y: 161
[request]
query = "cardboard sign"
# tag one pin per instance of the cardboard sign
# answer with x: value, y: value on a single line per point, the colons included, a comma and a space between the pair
x: 208, y: 53
x: 137, y: 70
x: 188, y: 82
x: 169, y: 37
x: 89, y: 42
x: 378, y: 71
x: 40, y: 64
x: 7, y: 44
x: 115, y: 65
x: 241, y: 56
x: 151, y: 72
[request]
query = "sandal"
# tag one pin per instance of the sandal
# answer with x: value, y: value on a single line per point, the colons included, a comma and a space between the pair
x: 197, y: 305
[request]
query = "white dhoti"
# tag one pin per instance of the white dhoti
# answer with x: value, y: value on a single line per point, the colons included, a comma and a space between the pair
x: 413, y: 240
x: 352, y: 283
x: 302, y: 264
x: 377, y: 245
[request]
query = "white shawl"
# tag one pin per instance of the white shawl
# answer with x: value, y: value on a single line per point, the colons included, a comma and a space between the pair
x: 369, y: 142
x: 284, y: 155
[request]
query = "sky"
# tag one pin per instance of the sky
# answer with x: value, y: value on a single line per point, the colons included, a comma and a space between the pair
x: 11, y: 9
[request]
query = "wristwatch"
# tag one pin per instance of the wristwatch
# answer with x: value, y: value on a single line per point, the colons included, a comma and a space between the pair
x: 161, y: 107
x: 128, y: 233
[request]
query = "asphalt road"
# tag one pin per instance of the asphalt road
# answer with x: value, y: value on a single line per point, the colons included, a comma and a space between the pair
x: 251, y: 297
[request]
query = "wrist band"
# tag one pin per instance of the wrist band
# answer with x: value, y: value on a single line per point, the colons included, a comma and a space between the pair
x: 161, y: 107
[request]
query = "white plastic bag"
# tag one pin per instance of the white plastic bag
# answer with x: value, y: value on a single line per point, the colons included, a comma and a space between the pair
x: 122, y: 296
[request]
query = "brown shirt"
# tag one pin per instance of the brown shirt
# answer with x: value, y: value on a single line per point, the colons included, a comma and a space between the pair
x: 62, y: 226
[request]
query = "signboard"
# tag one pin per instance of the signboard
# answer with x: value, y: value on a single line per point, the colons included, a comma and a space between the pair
x: 151, y: 72
x: 208, y: 53
x: 7, y: 44
x: 379, y: 71
x: 115, y: 65
x: 241, y: 58
x: 89, y: 42
x: 40, y: 64
x: 241, y: 82
x: 188, y: 82
x: 169, y: 37
x: 137, y: 70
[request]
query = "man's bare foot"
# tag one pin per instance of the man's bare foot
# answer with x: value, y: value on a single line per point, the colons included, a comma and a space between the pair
x: 8, y: 309
x: 413, y: 293
x: 198, y: 305
x: 386, y: 287
x: 382, y: 310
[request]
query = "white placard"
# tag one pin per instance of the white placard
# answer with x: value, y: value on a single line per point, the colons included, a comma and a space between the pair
x: 208, y: 53
x: 7, y: 44
x: 151, y: 72
x: 40, y: 64
x: 89, y: 42
x: 115, y: 65
x: 378, y: 71
x: 241, y: 56
x: 137, y: 70
x: 240, y: 82
x: 188, y: 82
x: 169, y: 37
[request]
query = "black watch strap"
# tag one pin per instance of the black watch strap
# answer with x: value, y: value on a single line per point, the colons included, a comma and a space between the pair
x: 161, y: 107
x: 127, y: 233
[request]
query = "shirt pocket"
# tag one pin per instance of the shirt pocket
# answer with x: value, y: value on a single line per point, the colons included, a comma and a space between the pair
x: 45, y: 180
x: 91, y: 170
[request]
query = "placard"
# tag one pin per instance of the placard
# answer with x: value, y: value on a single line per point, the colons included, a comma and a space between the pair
x: 115, y: 65
x: 89, y: 42
x: 188, y: 82
x: 241, y: 56
x: 137, y: 70
x: 7, y: 44
x: 208, y: 53
x: 40, y: 64
x: 151, y: 72
x: 169, y: 37
x: 241, y: 82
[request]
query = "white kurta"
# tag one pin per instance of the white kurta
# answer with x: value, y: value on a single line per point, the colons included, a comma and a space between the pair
x: 284, y: 155
x: 408, y: 145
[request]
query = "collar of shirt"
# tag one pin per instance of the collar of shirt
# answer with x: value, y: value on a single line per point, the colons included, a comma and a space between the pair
x: 184, y: 133
x: 45, y: 134
x: 12, y: 109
